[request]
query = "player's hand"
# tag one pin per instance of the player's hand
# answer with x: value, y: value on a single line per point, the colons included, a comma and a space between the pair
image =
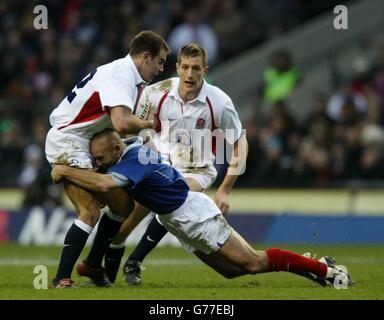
x: 55, y: 173
x: 222, y: 201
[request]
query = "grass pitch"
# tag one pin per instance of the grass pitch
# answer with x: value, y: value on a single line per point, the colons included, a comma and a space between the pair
x: 172, y: 274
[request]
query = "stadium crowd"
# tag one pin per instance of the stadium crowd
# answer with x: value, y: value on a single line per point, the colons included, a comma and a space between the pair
x: 343, y: 137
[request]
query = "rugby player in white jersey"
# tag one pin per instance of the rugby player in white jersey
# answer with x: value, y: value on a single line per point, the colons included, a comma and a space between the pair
x: 106, y: 98
x: 188, y: 112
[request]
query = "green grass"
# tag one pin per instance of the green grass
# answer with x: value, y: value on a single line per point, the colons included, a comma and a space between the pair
x: 173, y: 274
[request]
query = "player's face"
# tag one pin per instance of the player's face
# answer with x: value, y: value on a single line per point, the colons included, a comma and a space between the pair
x: 153, y: 65
x: 105, y: 155
x: 191, y: 71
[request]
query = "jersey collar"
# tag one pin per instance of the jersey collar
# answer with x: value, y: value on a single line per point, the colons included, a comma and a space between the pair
x: 136, y: 74
x: 200, y: 97
x: 131, y: 143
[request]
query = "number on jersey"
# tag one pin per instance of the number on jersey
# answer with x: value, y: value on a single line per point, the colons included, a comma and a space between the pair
x: 80, y: 85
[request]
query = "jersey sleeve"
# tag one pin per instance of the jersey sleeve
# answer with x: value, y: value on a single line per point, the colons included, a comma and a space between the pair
x: 129, y: 171
x: 229, y: 121
x: 116, y: 92
x: 121, y: 180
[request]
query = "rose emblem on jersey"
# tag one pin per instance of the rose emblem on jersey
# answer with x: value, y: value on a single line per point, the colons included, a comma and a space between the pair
x: 200, y: 123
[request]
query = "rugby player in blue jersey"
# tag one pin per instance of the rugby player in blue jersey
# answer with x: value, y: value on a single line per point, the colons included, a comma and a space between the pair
x: 190, y: 216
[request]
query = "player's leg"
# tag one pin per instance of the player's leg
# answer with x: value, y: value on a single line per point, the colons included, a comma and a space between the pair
x: 114, y: 253
x: 87, y: 208
x: 220, y: 264
x: 73, y: 150
x: 120, y: 205
x: 226, y: 251
x: 239, y: 254
x: 153, y: 234
x: 236, y: 257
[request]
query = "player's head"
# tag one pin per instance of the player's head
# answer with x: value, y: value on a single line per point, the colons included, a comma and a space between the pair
x: 149, y: 51
x: 191, y: 67
x: 106, y: 148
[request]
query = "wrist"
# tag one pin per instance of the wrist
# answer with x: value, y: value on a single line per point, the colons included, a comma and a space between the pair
x: 224, y: 189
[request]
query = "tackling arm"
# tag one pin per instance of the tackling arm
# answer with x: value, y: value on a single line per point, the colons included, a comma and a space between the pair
x: 89, y: 180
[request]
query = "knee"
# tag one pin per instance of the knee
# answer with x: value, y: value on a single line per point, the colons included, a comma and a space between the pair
x: 258, y: 263
x: 90, y: 216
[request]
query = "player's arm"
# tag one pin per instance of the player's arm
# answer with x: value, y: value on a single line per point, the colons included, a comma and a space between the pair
x: 125, y: 122
x: 92, y: 181
x: 229, y: 121
x: 235, y: 168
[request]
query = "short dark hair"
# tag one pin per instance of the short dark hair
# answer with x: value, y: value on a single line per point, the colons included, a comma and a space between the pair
x: 193, y: 50
x: 148, y: 41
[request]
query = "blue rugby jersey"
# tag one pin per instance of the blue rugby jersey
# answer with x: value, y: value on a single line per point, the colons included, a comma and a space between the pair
x: 155, y: 185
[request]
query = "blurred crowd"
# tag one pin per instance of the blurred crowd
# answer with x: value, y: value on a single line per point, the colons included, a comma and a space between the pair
x: 342, y: 139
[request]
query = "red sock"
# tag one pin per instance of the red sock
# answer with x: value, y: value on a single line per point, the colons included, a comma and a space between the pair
x: 283, y: 260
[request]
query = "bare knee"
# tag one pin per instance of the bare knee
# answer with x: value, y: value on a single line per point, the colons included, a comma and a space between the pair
x: 257, y: 264
x: 89, y: 213
x: 86, y: 204
x: 89, y: 216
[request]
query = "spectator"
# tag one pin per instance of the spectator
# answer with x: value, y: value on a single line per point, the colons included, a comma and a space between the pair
x: 193, y: 29
x: 280, y: 78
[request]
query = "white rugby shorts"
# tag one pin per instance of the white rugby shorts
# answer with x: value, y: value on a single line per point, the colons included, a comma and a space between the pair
x: 205, y: 177
x: 69, y: 149
x: 198, y: 224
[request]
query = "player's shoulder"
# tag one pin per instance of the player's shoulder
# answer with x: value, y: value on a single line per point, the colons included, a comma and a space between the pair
x: 118, y: 69
x: 216, y: 96
x: 129, y: 157
x: 164, y: 86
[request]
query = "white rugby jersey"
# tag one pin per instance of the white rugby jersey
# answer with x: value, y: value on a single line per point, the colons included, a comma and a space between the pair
x: 85, y: 111
x: 184, y: 130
